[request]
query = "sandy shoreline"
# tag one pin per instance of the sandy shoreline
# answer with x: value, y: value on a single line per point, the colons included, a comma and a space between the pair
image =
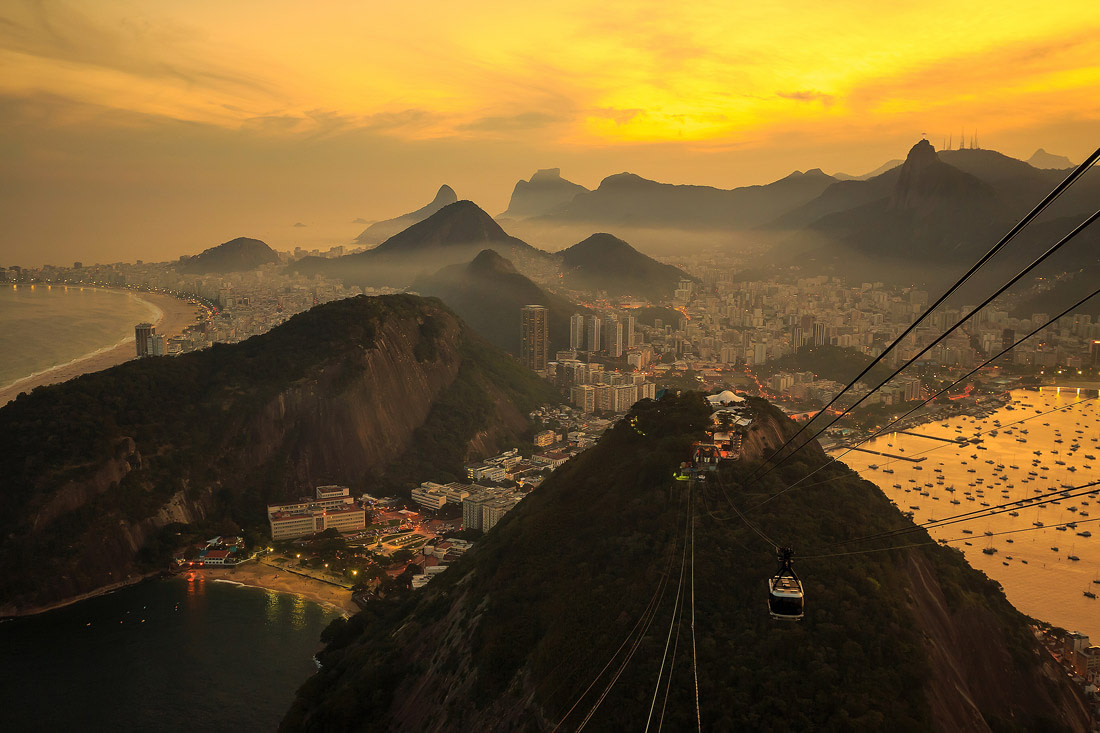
x: 258, y: 575
x: 174, y: 316
x: 252, y: 574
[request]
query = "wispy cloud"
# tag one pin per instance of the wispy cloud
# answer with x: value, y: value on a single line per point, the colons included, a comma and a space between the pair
x: 808, y: 95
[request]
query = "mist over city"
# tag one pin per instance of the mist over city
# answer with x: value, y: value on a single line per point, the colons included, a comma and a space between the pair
x: 491, y: 367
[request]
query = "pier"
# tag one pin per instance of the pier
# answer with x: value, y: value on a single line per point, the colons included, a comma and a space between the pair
x: 889, y: 455
x: 956, y: 441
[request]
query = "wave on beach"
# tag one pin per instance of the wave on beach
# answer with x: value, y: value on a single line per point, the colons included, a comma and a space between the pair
x: 154, y: 313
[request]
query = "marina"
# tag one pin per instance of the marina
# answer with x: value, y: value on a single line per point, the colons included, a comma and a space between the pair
x: 1036, y: 473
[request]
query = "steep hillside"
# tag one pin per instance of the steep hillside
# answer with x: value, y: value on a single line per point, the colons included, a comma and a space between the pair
x: 370, y: 392
x: 543, y: 194
x: 626, y: 199
x: 236, y: 255
x: 380, y: 231
x: 917, y: 223
x: 488, y: 293
x: 840, y: 196
x: 604, y: 262
x: 934, y: 215
x: 454, y: 234
x: 577, y: 588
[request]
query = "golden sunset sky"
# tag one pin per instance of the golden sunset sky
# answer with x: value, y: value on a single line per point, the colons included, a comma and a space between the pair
x: 153, y: 129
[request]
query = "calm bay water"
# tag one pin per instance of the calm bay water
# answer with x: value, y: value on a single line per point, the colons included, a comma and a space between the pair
x: 1032, y: 564
x: 46, y: 326
x: 166, y: 655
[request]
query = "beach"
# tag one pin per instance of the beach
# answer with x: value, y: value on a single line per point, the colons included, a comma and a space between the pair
x: 173, y: 316
x: 258, y: 575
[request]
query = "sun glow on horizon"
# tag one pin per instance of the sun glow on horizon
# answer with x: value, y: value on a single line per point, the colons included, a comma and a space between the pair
x: 623, y: 73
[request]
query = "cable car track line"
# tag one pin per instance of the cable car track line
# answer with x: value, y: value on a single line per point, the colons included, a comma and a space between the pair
x: 940, y: 542
x: 1051, y: 250
x: 983, y: 513
x: 948, y: 388
x: 672, y: 621
x: 647, y: 611
x: 1047, y: 200
x: 694, y: 656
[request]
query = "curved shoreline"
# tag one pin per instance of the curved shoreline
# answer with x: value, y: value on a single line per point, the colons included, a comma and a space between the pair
x: 171, y: 315
x: 255, y: 574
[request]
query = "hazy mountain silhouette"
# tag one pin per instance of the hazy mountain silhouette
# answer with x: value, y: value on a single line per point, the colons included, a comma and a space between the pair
x: 840, y: 196
x: 1042, y: 159
x: 1018, y: 187
x: 242, y: 253
x: 626, y: 199
x: 383, y: 230
x: 488, y: 293
x: 604, y: 262
x: 888, y: 165
x: 934, y: 213
x: 543, y: 194
x: 454, y: 234
x: 936, y: 209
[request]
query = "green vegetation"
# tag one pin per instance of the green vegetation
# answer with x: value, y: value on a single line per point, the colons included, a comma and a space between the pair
x: 486, y: 377
x: 242, y: 253
x: 838, y: 363
x: 203, y: 427
x: 548, y: 595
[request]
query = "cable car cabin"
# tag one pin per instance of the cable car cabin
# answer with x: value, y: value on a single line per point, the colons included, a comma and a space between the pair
x: 785, y: 596
x: 704, y: 456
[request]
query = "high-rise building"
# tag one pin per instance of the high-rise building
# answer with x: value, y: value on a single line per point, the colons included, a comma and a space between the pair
x: 143, y: 337
x: 584, y: 397
x: 630, y: 328
x: 576, y: 332
x: 613, y: 338
x: 534, y: 336
x: 594, y: 327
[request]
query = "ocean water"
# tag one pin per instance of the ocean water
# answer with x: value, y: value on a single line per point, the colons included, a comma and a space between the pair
x: 165, y: 655
x: 45, y: 326
x: 1032, y: 563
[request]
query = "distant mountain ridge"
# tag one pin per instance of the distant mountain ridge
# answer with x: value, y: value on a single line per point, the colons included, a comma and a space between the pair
x: 544, y: 193
x: 454, y: 234
x: 383, y: 230
x: 935, y: 210
x: 888, y: 165
x: 627, y: 199
x: 236, y: 255
x: 1042, y: 159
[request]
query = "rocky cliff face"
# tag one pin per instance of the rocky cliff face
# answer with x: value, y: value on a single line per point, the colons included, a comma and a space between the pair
x: 344, y: 418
